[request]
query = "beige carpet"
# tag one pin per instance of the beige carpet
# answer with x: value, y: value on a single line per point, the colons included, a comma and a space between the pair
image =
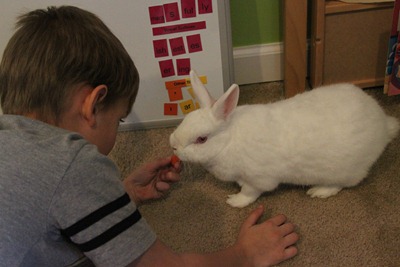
x: 358, y: 227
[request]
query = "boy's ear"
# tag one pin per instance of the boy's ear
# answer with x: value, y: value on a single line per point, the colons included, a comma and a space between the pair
x: 90, y: 105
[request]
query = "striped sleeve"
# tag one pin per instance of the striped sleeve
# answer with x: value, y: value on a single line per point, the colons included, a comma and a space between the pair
x: 93, y: 211
x: 96, y: 216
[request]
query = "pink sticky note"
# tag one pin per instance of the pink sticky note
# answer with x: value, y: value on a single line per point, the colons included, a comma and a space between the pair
x: 177, y: 46
x: 194, y: 43
x: 171, y: 109
x: 183, y: 66
x: 167, y: 68
x: 171, y: 12
x: 156, y: 14
x: 205, y: 6
x: 192, y: 26
x: 160, y: 48
x: 175, y: 94
x: 188, y: 8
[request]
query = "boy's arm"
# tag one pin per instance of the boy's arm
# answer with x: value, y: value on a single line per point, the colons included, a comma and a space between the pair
x: 263, y: 244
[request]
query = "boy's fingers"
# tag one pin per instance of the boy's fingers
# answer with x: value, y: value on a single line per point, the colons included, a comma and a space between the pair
x: 290, y: 252
x: 278, y: 219
x: 169, y: 176
x: 253, y: 217
x: 162, y: 186
x: 173, y: 177
x: 291, y: 239
x: 287, y: 228
x: 164, y: 162
x: 178, y: 166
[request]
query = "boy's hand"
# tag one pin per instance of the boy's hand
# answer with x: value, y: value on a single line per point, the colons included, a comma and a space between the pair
x: 269, y: 242
x: 152, y: 180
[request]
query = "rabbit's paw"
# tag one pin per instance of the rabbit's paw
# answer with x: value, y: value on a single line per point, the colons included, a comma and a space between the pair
x: 323, y: 191
x: 239, y: 200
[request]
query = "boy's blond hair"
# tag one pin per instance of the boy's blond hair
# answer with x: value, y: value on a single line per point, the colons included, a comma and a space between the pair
x: 52, y: 53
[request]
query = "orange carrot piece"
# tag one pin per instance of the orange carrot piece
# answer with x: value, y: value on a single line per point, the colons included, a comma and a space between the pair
x: 175, y: 159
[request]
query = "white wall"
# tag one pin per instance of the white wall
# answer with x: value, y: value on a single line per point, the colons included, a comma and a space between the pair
x: 258, y: 63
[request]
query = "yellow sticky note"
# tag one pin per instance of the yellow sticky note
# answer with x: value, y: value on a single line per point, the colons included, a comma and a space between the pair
x: 203, y: 79
x: 187, y: 106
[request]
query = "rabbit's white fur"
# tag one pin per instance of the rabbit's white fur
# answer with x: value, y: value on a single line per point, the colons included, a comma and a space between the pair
x: 328, y: 138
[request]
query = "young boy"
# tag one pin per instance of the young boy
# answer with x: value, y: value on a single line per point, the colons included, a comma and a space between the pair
x: 65, y: 83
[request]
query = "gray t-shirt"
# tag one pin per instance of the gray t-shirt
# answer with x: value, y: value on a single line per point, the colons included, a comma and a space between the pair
x: 60, y: 197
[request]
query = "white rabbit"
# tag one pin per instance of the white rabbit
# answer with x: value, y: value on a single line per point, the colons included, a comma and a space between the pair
x: 327, y: 138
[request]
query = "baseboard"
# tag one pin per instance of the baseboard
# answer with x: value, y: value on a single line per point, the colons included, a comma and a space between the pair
x: 258, y: 63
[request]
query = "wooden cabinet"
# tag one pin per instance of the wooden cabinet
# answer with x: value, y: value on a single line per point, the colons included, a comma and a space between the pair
x: 349, y: 42
x: 295, y: 46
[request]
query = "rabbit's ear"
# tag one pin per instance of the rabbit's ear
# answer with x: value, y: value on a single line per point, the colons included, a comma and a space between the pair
x: 224, y: 106
x: 201, y: 92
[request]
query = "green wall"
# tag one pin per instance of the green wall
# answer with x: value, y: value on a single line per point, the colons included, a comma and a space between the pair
x: 256, y: 22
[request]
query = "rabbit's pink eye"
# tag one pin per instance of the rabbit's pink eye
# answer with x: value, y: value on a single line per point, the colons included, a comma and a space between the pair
x: 201, y: 139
